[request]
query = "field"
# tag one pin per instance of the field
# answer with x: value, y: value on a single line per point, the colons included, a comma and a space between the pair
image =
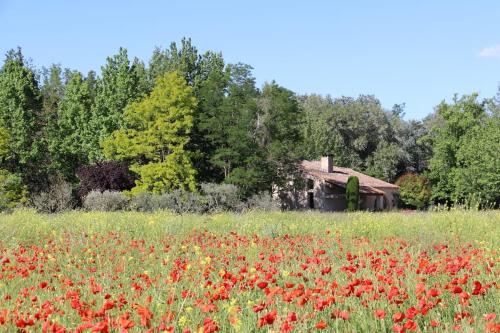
x: 258, y: 272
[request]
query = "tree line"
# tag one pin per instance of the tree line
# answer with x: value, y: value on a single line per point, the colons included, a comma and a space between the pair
x: 187, y: 118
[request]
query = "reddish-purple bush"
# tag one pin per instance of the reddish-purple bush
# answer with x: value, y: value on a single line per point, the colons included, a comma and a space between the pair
x: 104, y: 176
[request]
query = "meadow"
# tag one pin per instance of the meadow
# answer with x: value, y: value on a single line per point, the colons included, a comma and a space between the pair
x: 254, y: 272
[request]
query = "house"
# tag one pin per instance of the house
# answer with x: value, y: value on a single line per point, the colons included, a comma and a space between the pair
x: 325, y: 187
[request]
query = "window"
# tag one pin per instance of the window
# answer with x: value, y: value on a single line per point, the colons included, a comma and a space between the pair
x: 310, y: 184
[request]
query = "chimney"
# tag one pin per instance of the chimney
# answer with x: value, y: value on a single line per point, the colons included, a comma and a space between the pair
x: 326, y: 164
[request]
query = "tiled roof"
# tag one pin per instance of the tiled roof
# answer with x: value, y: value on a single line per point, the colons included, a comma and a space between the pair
x: 339, y: 176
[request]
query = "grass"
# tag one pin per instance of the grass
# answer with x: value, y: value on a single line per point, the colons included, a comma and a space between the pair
x: 196, y: 273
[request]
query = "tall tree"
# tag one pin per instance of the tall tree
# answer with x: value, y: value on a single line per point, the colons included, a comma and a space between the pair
x: 154, y: 136
x: 278, y: 131
x: 477, y: 177
x: 122, y: 82
x: 453, y: 123
x: 208, y: 76
x: 20, y: 115
x: 69, y: 144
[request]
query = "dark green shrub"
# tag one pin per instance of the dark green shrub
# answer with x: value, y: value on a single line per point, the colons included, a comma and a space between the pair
x: 352, y: 193
x: 414, y: 191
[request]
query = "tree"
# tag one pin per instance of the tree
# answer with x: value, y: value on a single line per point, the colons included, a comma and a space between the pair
x: 414, y: 190
x: 384, y: 161
x: 477, y: 177
x: 357, y: 133
x: 453, y: 123
x: 277, y: 132
x: 71, y: 135
x: 12, y: 190
x: 352, y: 193
x: 52, y: 92
x: 209, y: 77
x: 20, y: 116
x: 106, y: 176
x: 121, y: 83
x: 155, y: 133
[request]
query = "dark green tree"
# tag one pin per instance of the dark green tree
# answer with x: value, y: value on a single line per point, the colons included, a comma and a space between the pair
x: 122, y: 82
x: 71, y: 134
x: 21, y: 118
x: 278, y: 133
x: 352, y: 193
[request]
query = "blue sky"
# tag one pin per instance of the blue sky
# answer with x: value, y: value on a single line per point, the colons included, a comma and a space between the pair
x: 417, y: 52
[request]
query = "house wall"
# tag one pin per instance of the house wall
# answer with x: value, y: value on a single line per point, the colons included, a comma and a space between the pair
x: 300, y: 200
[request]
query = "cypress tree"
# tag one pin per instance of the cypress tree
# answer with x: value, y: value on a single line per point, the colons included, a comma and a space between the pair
x: 352, y: 193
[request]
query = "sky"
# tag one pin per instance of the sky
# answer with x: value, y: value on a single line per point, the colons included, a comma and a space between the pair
x: 413, y: 52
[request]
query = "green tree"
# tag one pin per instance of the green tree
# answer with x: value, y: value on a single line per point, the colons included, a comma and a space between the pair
x: 278, y: 133
x: 209, y: 77
x: 414, y: 190
x: 20, y: 116
x: 477, y: 177
x: 352, y: 193
x: 357, y: 133
x: 71, y: 135
x: 12, y: 190
x: 384, y: 161
x: 453, y: 122
x: 155, y: 133
x: 122, y: 82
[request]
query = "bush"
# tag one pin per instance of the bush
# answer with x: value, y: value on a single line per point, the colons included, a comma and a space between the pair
x: 220, y: 197
x: 107, y: 201
x: 111, y: 176
x: 352, y: 193
x: 144, y: 202
x: 56, y: 198
x: 12, y: 190
x: 414, y: 191
x: 262, y: 201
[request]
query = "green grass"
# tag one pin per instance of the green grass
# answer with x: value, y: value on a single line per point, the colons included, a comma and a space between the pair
x: 120, y: 250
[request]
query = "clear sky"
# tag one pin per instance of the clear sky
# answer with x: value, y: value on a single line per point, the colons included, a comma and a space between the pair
x: 417, y: 52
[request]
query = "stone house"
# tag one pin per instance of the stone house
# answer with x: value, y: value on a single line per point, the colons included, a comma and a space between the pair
x: 325, y: 186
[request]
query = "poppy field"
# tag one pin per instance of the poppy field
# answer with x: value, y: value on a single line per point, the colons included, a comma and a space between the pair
x: 255, y: 272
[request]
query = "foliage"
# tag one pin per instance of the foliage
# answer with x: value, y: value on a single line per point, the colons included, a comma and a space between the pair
x: 122, y: 82
x: 447, y: 136
x: 154, y: 135
x: 262, y: 202
x: 278, y: 131
x: 106, y: 201
x: 57, y: 197
x: 70, y: 134
x: 414, y: 190
x: 113, y: 176
x: 478, y: 174
x: 352, y: 193
x: 218, y: 198
x: 12, y: 191
x: 20, y: 119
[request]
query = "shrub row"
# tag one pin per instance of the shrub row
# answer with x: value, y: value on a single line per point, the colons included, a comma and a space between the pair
x: 212, y: 198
